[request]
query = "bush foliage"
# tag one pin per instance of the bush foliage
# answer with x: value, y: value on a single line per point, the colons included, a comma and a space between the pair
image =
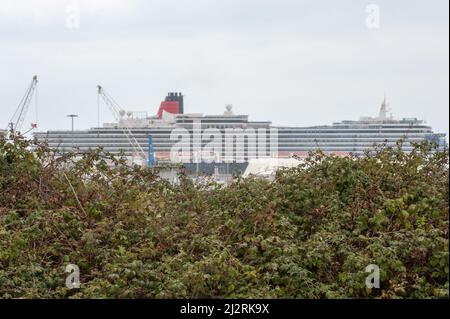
x: 310, y: 233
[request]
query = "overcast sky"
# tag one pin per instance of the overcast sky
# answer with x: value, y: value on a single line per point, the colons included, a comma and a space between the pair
x: 294, y: 62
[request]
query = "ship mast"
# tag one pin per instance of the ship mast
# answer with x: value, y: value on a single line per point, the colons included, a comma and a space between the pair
x: 382, y: 116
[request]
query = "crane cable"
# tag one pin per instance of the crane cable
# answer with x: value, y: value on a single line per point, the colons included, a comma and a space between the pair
x: 18, y: 117
x: 115, y: 108
x: 36, y: 105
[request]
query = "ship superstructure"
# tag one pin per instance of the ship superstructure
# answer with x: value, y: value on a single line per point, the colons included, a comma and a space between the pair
x: 355, y: 137
x: 169, y: 127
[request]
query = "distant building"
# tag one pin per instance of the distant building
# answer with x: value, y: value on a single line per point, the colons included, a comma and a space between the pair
x: 267, y: 167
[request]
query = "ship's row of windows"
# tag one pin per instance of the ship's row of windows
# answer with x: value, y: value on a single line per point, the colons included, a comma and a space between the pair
x: 167, y: 132
x: 244, y: 142
x: 282, y: 148
x: 237, y: 141
x: 265, y: 137
x: 268, y: 137
x: 246, y: 155
x: 280, y: 132
x: 370, y: 126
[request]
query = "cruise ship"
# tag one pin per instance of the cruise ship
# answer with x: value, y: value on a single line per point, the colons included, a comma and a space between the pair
x: 153, y: 138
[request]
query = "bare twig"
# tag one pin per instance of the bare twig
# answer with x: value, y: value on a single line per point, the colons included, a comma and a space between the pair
x: 75, y: 194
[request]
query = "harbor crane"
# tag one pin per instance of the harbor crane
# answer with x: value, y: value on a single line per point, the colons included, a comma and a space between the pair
x: 16, y: 122
x: 118, y: 113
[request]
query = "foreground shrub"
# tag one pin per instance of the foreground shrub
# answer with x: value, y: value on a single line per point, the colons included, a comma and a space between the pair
x: 308, y: 234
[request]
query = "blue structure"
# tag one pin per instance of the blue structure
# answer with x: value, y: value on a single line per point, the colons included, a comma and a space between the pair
x: 151, y: 159
x: 439, y: 139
